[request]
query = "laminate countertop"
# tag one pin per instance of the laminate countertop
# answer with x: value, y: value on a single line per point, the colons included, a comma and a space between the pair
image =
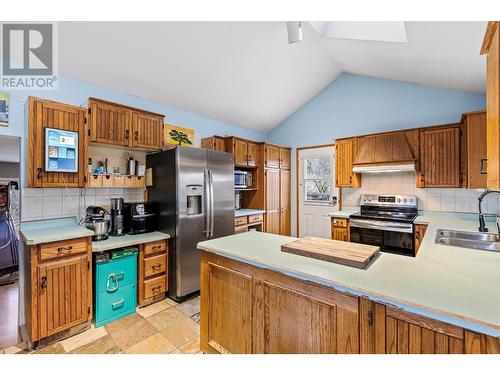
x: 455, y: 285
x: 43, y: 231
x: 248, y: 211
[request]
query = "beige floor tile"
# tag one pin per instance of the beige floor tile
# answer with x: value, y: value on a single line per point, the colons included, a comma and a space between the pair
x: 129, y: 336
x: 165, y: 318
x: 156, y: 344
x: 125, y: 322
x: 182, y: 332
x: 153, y: 309
x: 192, y: 347
x: 190, y: 307
x: 103, y: 345
x: 83, y: 338
x: 51, y: 349
x: 12, y: 350
x: 171, y: 302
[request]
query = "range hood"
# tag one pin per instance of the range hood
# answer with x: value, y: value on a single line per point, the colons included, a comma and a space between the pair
x: 383, y: 153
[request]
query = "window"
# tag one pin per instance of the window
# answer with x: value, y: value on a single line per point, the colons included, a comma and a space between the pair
x: 318, y: 179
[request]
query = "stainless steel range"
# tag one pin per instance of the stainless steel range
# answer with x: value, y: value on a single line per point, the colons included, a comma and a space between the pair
x: 386, y: 221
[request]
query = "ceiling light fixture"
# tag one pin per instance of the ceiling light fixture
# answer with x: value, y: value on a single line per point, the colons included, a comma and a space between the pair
x: 294, y: 29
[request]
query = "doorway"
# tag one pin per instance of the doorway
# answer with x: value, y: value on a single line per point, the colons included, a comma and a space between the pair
x: 9, y: 239
x: 317, y: 194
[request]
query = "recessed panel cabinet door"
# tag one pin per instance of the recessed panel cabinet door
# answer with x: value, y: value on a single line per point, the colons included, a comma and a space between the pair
x: 285, y: 202
x: 284, y: 158
x: 272, y: 178
x: 240, y: 151
x: 344, y: 153
x: 63, y: 294
x: 48, y: 114
x: 440, y: 157
x: 253, y: 154
x: 109, y: 123
x: 226, y: 305
x: 148, y: 130
x: 272, y: 155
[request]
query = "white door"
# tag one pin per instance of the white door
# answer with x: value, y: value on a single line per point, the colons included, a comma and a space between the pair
x: 317, y: 191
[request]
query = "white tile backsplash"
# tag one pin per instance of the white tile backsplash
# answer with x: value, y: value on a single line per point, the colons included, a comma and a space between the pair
x: 448, y: 200
x: 37, y: 204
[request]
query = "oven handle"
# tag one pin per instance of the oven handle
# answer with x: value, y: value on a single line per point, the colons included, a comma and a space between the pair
x: 381, y: 225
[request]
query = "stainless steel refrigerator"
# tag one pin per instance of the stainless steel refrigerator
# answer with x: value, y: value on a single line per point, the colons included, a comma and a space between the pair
x: 194, y: 191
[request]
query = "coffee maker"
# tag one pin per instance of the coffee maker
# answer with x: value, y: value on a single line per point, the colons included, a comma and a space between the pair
x: 116, y: 212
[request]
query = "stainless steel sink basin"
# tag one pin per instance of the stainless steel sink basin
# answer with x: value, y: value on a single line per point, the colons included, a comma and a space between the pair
x: 470, y: 240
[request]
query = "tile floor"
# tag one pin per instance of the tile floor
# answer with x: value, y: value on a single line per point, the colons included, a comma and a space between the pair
x: 161, y: 328
x: 8, y: 313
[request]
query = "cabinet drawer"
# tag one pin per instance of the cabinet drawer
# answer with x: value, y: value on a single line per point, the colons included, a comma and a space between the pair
x: 113, y: 306
x: 118, y: 181
x: 155, y: 247
x: 240, y: 229
x: 94, y: 181
x: 255, y: 218
x: 240, y: 220
x: 155, y: 265
x: 338, y: 222
x: 59, y: 249
x: 107, y: 180
x: 155, y: 286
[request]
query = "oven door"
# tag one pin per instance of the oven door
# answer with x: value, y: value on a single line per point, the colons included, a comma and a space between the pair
x: 389, y: 236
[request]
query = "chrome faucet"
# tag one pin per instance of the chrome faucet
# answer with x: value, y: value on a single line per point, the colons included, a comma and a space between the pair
x: 482, y: 225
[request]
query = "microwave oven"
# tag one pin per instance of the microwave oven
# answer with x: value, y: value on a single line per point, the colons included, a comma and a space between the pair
x: 242, y: 180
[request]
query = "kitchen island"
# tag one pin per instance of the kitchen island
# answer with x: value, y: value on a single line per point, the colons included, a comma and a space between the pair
x: 257, y: 299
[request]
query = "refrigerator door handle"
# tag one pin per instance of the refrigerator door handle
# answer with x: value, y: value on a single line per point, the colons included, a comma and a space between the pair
x: 206, y: 186
x: 212, y: 205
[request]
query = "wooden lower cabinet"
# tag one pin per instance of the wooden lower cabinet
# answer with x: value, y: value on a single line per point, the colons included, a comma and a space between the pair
x: 152, y: 272
x: 247, y: 309
x: 419, y: 233
x: 340, y: 229
x: 58, y: 287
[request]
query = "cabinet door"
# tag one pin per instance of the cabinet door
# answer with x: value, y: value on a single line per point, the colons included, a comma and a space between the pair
x: 226, y: 308
x: 285, y: 158
x: 419, y: 234
x: 344, y: 152
x: 289, y: 321
x: 440, y: 157
x: 272, y: 155
x: 220, y: 144
x: 339, y: 234
x: 48, y: 114
x: 253, y: 154
x: 285, y: 202
x: 148, y: 131
x: 475, y: 150
x: 493, y: 109
x: 386, y: 329
x: 240, y: 151
x: 64, y: 294
x: 109, y: 123
x: 272, y: 177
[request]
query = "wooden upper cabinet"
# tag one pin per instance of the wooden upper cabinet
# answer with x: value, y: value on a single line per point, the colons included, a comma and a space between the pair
x: 284, y: 158
x: 49, y: 114
x: 117, y: 124
x: 109, y: 123
x: 253, y: 154
x: 491, y: 47
x: 215, y: 143
x: 272, y: 156
x: 440, y: 157
x: 147, y: 130
x: 345, y: 149
x: 474, y: 149
x: 240, y: 151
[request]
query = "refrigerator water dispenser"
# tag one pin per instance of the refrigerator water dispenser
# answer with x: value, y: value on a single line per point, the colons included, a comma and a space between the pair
x: 194, y: 194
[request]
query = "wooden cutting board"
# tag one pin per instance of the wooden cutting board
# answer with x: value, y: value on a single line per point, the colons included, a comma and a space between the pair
x: 341, y: 252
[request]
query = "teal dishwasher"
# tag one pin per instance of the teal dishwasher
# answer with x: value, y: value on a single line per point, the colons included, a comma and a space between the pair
x: 115, y: 285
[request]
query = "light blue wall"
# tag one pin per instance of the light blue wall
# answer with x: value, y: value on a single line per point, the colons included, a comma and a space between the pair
x: 74, y: 91
x: 355, y: 105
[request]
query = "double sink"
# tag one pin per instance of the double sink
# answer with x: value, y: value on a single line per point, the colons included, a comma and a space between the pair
x: 470, y: 240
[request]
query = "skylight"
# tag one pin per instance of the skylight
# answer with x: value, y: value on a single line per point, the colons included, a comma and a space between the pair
x: 377, y: 31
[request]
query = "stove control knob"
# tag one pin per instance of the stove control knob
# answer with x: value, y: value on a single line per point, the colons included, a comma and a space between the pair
x: 398, y: 200
x: 404, y: 200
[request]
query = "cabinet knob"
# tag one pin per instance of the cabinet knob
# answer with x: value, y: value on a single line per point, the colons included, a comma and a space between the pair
x: 127, y: 134
x: 40, y: 173
x: 63, y: 248
x: 370, y: 318
x: 417, y: 235
x: 136, y: 135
